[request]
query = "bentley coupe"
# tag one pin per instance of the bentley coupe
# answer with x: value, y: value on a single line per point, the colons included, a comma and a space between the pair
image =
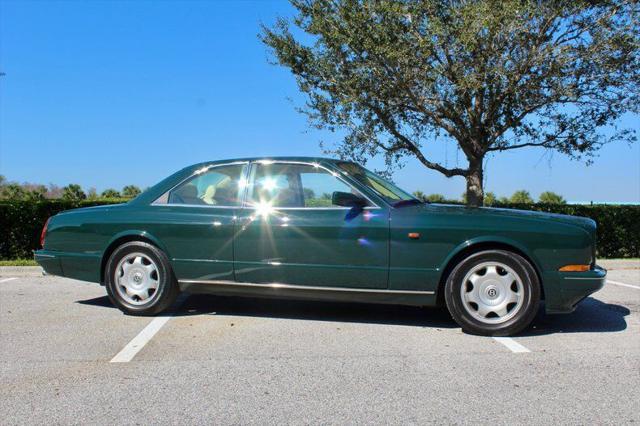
x: 324, y: 229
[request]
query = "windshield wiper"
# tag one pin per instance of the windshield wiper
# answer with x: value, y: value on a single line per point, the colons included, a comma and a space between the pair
x: 409, y: 202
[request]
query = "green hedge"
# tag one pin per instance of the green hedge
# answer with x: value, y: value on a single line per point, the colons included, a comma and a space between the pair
x: 21, y: 223
x: 618, y: 225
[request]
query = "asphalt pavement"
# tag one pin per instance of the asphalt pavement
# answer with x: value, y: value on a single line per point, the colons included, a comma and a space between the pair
x: 67, y: 356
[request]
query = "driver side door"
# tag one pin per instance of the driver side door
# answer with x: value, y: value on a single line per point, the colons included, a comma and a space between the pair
x: 290, y: 232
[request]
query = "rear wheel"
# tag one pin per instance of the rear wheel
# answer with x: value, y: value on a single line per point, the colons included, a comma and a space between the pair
x: 493, y: 293
x: 139, y: 279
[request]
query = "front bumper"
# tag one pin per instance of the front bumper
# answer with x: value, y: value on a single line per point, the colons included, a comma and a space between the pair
x: 565, y: 290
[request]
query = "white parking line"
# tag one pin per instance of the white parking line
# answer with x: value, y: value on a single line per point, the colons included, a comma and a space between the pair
x: 623, y: 284
x: 511, y: 344
x: 137, y: 343
x: 134, y: 346
x: 8, y: 279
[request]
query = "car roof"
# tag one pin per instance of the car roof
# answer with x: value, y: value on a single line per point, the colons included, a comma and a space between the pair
x: 272, y: 158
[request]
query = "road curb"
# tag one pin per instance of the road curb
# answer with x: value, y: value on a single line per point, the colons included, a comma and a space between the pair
x: 20, y: 271
x: 616, y: 264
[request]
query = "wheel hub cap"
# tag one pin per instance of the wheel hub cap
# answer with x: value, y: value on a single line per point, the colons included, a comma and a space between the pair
x: 492, y: 292
x: 136, y: 279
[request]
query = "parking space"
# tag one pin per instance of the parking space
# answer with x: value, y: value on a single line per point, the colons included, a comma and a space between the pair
x: 235, y: 360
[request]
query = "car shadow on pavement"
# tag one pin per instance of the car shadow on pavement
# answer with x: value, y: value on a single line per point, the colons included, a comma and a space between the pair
x: 102, y: 301
x: 590, y: 316
x: 317, y: 311
x: 203, y: 304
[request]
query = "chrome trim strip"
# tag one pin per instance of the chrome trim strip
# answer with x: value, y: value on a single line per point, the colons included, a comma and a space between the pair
x: 207, y: 206
x: 302, y: 287
x: 312, y: 208
x: 253, y: 208
x: 586, y: 278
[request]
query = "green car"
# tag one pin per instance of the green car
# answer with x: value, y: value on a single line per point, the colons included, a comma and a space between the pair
x: 323, y: 229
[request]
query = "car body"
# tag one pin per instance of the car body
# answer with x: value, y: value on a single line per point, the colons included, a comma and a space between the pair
x: 223, y: 234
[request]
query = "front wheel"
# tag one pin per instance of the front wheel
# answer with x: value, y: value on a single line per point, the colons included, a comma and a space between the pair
x: 139, y: 279
x: 493, y: 293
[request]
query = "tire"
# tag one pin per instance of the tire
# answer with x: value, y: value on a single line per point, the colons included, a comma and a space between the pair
x: 504, y: 299
x: 139, y: 279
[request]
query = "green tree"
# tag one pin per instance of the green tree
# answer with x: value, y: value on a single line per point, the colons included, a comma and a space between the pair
x: 308, y: 193
x: 36, y: 193
x: 13, y: 191
x: 73, y: 192
x: 110, y: 193
x: 549, y: 197
x: 130, y: 191
x: 488, y: 76
x: 420, y: 195
x: 92, y: 194
x: 436, y: 198
x: 521, y: 197
x: 490, y: 199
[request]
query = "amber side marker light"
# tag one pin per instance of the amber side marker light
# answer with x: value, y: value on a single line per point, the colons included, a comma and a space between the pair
x: 575, y: 268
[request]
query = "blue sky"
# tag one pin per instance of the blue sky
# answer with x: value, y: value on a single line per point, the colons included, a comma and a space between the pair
x: 106, y: 94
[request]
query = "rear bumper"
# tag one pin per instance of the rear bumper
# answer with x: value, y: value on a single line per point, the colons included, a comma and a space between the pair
x: 79, y: 266
x: 49, y: 262
x: 565, y: 290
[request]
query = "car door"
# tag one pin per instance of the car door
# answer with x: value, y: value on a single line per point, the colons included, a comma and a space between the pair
x: 195, y: 221
x: 289, y: 231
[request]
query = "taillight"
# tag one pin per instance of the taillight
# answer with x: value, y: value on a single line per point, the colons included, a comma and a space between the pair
x: 44, y: 232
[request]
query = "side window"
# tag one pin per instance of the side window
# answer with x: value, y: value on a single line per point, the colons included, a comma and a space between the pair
x: 276, y: 185
x: 218, y: 186
x: 295, y: 185
x: 318, y: 186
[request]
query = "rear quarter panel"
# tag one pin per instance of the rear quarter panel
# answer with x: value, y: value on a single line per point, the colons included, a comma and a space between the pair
x: 80, y: 238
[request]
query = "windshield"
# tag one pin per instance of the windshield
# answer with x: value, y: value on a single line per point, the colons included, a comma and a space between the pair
x: 385, y: 189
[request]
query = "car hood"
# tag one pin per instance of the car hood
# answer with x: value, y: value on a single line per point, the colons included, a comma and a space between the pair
x: 585, y: 223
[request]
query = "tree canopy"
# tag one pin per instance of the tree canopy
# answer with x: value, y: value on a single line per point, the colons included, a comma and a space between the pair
x: 487, y: 75
x: 130, y: 191
x: 521, y: 197
x: 73, y: 192
x: 110, y: 193
x: 549, y: 197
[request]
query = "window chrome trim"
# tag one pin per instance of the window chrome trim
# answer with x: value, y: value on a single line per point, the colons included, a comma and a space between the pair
x: 208, y: 206
x: 195, y: 173
x: 336, y: 175
x: 276, y: 286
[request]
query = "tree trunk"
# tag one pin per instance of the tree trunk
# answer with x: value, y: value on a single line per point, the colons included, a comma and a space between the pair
x: 475, y: 192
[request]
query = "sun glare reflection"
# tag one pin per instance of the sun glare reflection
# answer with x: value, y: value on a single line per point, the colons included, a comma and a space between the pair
x: 264, y: 209
x: 367, y: 215
x: 363, y: 241
x: 269, y: 184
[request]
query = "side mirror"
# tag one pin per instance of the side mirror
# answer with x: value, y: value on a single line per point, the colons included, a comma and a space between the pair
x: 347, y: 199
